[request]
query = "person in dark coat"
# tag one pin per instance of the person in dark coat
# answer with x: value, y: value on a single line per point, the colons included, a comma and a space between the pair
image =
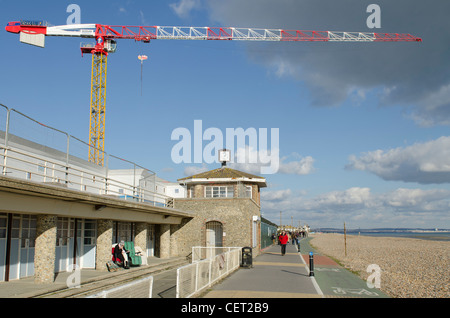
x: 120, y: 255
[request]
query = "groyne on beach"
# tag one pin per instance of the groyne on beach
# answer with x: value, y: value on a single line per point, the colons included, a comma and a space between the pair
x: 410, y: 268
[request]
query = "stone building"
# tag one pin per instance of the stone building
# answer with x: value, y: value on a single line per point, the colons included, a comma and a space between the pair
x: 46, y: 229
x: 226, y: 205
x: 58, y: 211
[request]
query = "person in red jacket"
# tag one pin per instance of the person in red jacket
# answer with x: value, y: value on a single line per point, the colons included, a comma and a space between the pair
x: 284, y: 238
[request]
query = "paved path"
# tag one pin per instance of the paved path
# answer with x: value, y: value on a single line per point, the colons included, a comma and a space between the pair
x: 277, y: 276
x: 272, y: 276
x: 336, y: 281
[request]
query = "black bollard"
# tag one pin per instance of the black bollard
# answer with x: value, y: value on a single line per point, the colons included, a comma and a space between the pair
x: 311, y: 264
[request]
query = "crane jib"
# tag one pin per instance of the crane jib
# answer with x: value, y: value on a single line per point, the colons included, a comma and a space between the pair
x: 147, y: 33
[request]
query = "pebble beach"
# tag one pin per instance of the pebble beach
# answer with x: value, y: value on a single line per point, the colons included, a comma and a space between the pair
x: 410, y: 268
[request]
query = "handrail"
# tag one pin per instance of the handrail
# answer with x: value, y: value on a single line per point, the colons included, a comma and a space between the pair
x: 67, y: 171
x: 83, y: 179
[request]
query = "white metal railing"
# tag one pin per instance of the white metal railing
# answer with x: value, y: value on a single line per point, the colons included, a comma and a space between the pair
x: 200, y: 252
x: 195, y: 277
x: 37, y: 152
x: 39, y: 169
x: 141, y: 288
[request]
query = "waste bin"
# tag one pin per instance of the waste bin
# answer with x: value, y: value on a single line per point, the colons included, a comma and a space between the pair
x: 247, y: 257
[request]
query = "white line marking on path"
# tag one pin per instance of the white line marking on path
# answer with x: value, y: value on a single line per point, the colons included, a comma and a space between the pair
x: 316, y: 286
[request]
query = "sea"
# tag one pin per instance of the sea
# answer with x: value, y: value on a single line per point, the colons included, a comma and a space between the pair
x: 424, y: 234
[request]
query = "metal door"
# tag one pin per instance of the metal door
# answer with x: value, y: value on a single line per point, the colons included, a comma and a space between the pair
x: 151, y: 240
x: 28, y: 239
x: 214, y: 234
x: 3, y: 232
x: 14, y: 259
x: 89, y: 243
x: 63, y: 241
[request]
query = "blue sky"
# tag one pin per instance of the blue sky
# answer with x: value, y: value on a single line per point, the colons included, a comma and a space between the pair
x: 363, y: 127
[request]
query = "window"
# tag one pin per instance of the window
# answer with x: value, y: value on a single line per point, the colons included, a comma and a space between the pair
x: 90, y: 227
x: 123, y: 231
x: 248, y: 191
x: 151, y: 231
x: 62, y: 231
x: 28, y: 237
x: 191, y: 192
x: 219, y: 192
x: 3, y: 222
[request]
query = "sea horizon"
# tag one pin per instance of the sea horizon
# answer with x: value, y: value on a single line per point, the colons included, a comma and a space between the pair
x: 435, y: 234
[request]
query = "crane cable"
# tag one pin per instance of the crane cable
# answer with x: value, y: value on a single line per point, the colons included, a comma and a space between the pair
x: 142, y: 58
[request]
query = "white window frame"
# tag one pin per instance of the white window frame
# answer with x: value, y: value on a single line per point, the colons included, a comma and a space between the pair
x: 248, y: 191
x: 219, y: 191
x: 191, y: 192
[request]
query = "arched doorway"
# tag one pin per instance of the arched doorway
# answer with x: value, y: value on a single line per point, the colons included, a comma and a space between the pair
x: 214, y: 235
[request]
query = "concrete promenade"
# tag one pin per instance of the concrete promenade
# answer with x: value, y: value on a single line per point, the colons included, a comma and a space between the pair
x: 272, y: 276
x: 93, y: 281
x: 277, y: 276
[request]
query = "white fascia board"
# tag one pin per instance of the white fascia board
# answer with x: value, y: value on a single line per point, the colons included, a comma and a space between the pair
x: 203, y: 180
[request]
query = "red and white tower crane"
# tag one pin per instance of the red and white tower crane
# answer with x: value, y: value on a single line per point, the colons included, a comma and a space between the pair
x: 34, y: 33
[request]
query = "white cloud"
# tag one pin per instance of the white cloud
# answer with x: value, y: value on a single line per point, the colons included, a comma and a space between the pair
x: 184, y: 7
x: 417, y: 199
x: 360, y: 207
x: 302, y: 167
x: 434, y: 108
x: 192, y: 170
x: 142, y: 18
x: 276, y: 195
x: 352, y: 196
x: 427, y: 162
x: 252, y: 162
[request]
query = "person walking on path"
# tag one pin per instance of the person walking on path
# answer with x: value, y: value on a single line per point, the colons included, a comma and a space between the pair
x: 284, y: 239
x: 294, y: 237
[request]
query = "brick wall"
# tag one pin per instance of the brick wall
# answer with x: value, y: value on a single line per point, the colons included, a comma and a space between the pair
x: 235, y: 214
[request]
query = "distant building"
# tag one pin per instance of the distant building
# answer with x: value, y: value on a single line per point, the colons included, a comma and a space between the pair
x: 147, y: 186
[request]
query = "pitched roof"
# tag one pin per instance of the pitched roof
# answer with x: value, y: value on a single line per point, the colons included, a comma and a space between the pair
x: 224, y: 173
